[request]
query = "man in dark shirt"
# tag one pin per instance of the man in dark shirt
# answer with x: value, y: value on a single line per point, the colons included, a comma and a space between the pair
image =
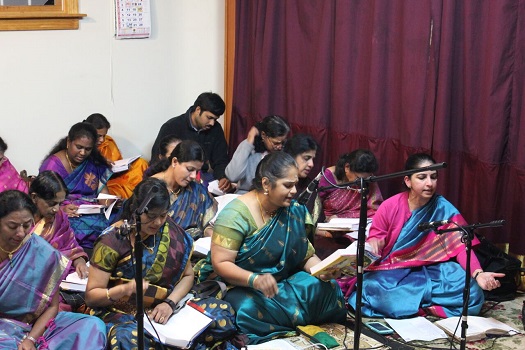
x: 200, y: 124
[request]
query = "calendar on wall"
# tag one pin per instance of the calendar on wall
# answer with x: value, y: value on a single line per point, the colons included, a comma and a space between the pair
x: 132, y: 19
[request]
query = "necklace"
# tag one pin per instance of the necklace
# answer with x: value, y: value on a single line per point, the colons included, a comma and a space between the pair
x: 150, y: 249
x: 10, y: 254
x: 169, y: 189
x: 173, y: 192
x: 271, y: 214
x: 69, y: 162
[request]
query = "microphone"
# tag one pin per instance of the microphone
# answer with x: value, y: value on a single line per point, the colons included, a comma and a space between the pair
x: 143, y: 207
x: 305, y: 195
x: 432, y: 224
x: 125, y: 229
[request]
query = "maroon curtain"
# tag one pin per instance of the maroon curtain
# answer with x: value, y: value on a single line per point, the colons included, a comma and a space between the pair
x: 397, y: 76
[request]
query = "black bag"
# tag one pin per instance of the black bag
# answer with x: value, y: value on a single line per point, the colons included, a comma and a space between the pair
x: 493, y: 259
x: 209, y: 288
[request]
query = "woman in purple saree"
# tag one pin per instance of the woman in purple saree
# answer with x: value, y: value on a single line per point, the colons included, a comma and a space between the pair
x: 30, y: 274
x: 47, y: 191
x: 424, y: 270
x: 85, y: 172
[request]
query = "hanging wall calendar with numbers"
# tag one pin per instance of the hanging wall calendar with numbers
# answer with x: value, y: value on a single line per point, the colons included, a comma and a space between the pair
x: 132, y: 19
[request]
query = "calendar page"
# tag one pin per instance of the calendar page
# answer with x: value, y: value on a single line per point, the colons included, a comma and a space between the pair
x: 132, y: 19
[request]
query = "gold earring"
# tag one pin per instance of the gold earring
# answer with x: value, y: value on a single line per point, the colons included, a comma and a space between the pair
x: 265, y: 192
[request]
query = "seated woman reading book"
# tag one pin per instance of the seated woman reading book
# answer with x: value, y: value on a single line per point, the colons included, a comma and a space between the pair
x: 260, y: 247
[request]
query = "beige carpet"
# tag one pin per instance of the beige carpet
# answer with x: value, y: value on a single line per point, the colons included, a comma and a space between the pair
x: 508, y: 312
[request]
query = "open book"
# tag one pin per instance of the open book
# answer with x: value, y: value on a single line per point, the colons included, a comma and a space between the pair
x: 123, y: 164
x: 74, y: 283
x: 182, y: 327
x: 202, y: 245
x: 478, y: 327
x: 344, y: 260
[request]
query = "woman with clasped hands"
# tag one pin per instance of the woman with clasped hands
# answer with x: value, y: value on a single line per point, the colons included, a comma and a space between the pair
x: 423, y: 269
x: 260, y: 247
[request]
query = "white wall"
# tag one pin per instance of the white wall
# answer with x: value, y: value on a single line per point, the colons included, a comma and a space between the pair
x: 50, y: 80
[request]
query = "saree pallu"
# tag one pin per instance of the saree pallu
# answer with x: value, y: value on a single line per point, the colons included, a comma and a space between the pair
x: 28, y: 283
x: 10, y: 179
x: 420, y: 269
x: 84, y: 184
x: 61, y: 237
x: 193, y: 208
x: 163, y: 267
x: 346, y: 203
x: 281, y: 248
x: 122, y: 184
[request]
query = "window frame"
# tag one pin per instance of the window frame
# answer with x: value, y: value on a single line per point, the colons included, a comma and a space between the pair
x: 62, y: 15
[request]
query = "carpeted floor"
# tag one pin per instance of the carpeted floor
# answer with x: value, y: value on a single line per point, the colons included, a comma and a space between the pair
x: 508, y: 312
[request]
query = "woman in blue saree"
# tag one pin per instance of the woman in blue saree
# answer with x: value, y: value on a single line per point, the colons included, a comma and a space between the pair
x: 76, y: 159
x: 192, y: 206
x: 260, y: 247
x: 30, y: 274
x: 423, y: 269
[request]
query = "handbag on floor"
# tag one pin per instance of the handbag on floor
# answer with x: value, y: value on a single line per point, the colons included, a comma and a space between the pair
x: 493, y: 259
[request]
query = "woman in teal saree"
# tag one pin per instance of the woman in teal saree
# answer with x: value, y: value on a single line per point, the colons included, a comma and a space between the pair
x: 260, y: 247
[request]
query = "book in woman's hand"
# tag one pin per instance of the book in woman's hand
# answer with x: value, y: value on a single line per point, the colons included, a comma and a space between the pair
x: 182, y: 328
x: 343, y: 260
x: 123, y: 164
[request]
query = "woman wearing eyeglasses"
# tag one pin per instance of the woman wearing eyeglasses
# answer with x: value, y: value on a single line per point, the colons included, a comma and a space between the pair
x: 167, y: 271
x: 346, y: 202
x: 267, y: 136
x: 30, y: 317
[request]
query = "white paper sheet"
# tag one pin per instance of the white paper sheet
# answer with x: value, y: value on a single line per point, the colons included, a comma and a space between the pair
x: 418, y: 328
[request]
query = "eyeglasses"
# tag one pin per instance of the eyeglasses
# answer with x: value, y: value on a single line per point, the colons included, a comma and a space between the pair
x: 276, y: 143
x: 155, y: 216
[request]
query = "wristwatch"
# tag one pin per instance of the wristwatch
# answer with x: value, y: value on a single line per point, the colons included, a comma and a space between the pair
x: 171, y: 303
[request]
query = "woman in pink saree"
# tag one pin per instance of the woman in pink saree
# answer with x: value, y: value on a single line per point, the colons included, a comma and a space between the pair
x: 346, y: 202
x: 9, y: 177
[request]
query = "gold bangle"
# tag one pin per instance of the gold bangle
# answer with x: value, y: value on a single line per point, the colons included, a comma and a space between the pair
x: 108, y: 296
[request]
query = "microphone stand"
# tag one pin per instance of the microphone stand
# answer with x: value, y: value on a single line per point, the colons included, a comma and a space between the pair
x: 468, y: 236
x: 361, y: 235
x: 138, y: 253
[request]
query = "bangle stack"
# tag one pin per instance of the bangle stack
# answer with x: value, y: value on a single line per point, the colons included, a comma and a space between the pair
x: 251, y: 279
x: 28, y: 337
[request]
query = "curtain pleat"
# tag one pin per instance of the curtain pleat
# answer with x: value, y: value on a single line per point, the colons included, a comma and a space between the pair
x: 397, y: 77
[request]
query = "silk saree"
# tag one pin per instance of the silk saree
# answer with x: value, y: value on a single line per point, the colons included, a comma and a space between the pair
x: 28, y: 283
x: 417, y: 268
x: 281, y: 248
